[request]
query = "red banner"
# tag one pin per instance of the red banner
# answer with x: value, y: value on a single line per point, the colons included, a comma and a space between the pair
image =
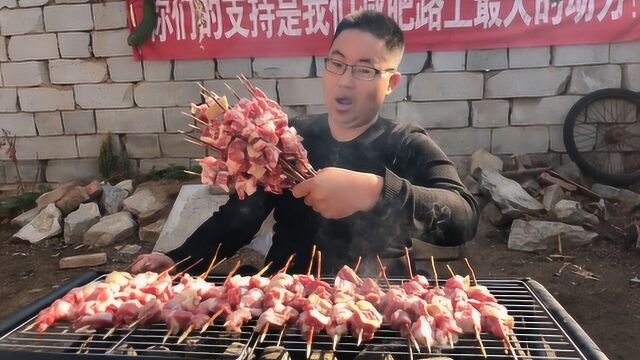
x: 262, y: 28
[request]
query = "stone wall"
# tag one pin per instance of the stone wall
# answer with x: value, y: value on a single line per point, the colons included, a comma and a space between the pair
x: 67, y: 80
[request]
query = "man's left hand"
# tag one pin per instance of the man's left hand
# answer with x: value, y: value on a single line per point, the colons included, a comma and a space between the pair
x: 337, y: 193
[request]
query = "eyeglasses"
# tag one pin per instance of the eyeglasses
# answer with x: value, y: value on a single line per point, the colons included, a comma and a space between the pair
x: 361, y: 72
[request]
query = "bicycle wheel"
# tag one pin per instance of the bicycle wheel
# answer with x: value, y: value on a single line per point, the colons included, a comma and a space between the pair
x: 602, y: 136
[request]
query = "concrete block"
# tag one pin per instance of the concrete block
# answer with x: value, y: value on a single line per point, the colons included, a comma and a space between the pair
x: 46, y: 147
x: 9, y: 4
x: 66, y: 71
x: 31, y: 3
x: 89, y: 145
x: 580, y: 54
x: 68, y: 17
x: 229, y: 68
x: 166, y: 94
x: 517, y: 140
x: 194, y: 69
x: 29, y: 171
x: 529, y: 57
x: 400, y: 93
x: 490, y: 59
x: 28, y: 73
x: 175, y: 146
x: 142, y: 145
x: 543, y: 111
x: 110, y: 15
x: 46, y: 99
x: 449, y: 86
x: 282, y: 67
x: 319, y: 61
x: 3, y: 49
x: 74, y: 45
x: 68, y: 170
x: 8, y: 100
x: 49, y: 123
x: 174, y: 120
x: 526, y: 83
x: 412, y: 63
x: 462, y: 141
x: 159, y: 70
x: 448, y: 60
x: 631, y: 77
x: 96, y: 96
x: 556, y: 138
x: 627, y: 52
x: 21, y: 21
x: 33, y: 47
x: 266, y: 85
x: 18, y: 124
x: 444, y: 114
x: 79, y: 122
x: 586, y: 79
x: 295, y: 111
x: 146, y: 165
x: 389, y: 110
x: 130, y: 121
x: 300, y: 91
x: 490, y: 113
x: 108, y: 43
x: 124, y: 69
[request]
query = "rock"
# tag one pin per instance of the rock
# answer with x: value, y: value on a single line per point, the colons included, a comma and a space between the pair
x: 110, y: 229
x: 494, y: 215
x: 86, y: 260
x: 508, y: 195
x: 45, y: 225
x: 538, y: 235
x: 24, y: 218
x: 72, y: 200
x: 146, y: 206
x: 599, y: 209
x: 151, y: 232
x: 569, y: 171
x: 126, y: 185
x: 54, y: 195
x: 93, y: 189
x: 111, y: 199
x: 130, y: 249
x: 570, y: 212
x: 552, y: 194
x: 531, y: 186
x: 471, y: 184
x: 611, y: 193
x: 483, y: 160
x: 79, y: 221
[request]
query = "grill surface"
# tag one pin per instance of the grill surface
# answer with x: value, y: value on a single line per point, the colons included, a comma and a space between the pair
x: 537, y: 335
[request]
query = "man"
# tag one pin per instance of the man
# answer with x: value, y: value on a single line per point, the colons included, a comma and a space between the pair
x: 380, y: 185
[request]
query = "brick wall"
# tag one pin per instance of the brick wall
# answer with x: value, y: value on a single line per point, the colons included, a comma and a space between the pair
x: 67, y: 80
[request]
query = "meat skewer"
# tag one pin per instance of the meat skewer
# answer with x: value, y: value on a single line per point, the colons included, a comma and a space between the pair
x: 435, y: 271
x: 357, y: 266
x: 475, y: 327
x: 406, y: 255
x: 287, y: 264
x: 213, y: 261
x: 313, y: 254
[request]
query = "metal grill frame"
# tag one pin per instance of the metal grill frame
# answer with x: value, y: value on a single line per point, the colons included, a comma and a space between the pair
x: 555, y: 323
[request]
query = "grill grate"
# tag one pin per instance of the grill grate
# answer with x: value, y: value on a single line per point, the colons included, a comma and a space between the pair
x: 537, y: 335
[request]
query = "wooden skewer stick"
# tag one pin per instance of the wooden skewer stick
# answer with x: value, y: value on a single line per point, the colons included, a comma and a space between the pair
x: 355, y: 268
x: 211, y: 320
x: 435, y: 272
x: 319, y: 265
x: 410, y: 349
x: 359, y: 337
x: 264, y: 269
x: 413, y: 339
x: 166, y: 336
x: 84, y: 329
x: 313, y: 254
x: 482, y: 349
x: 450, y: 340
x: 286, y: 265
x: 335, y: 339
x: 191, y: 173
x: 510, y: 347
x: 309, y: 341
x: 111, y: 331
x: 185, y: 334
x: 213, y: 261
x: 473, y: 273
x: 453, y: 274
x: 384, y: 273
x: 406, y: 255
x: 264, y: 332
x: 230, y: 274
x: 195, y: 118
x: 135, y: 323
x: 181, y: 273
x: 233, y: 91
x: 284, y: 329
x: 243, y: 80
x: 174, y: 266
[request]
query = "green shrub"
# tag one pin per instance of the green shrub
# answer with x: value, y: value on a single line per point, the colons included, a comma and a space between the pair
x: 25, y: 201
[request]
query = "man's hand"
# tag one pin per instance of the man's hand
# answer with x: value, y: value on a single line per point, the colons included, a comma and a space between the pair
x: 155, y: 262
x: 337, y: 193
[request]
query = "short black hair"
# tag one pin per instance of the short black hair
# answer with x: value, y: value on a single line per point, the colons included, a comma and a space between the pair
x: 375, y: 23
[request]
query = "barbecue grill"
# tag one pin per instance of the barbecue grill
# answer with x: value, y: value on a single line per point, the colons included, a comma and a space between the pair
x: 543, y: 330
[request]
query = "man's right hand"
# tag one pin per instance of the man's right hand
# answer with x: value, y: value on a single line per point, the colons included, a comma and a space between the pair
x: 155, y: 262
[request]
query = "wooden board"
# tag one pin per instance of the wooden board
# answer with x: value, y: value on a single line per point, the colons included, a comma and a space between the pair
x: 72, y: 262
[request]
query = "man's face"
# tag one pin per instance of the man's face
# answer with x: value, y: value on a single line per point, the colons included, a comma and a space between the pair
x: 353, y: 102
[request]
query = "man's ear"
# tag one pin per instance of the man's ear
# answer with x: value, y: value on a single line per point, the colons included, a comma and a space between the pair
x: 394, y: 81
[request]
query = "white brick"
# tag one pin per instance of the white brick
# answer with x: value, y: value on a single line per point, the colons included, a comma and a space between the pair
x: 491, y: 59
x: 580, y: 54
x: 631, y: 77
x: 77, y: 71
x: 445, y: 114
x: 266, y: 85
x: 46, y: 147
x: 300, y: 91
x: 32, y: 3
x: 389, y: 111
x: 3, y: 49
x: 71, y: 1
x: 89, y: 145
x: 514, y: 140
x: 449, y: 86
x: 157, y: 70
x: 177, y: 146
x: 67, y: 170
x: 229, y: 68
x: 174, y: 120
x: 111, y: 43
x: 19, y: 124
x: 110, y: 15
x: 628, y: 52
x: 74, y: 45
x: 123, y: 69
x: 142, y: 145
x: 412, y: 63
x: 130, y: 121
x: 556, y: 138
x: 319, y: 61
x: 79, y: 122
x: 282, y: 67
x: 462, y: 141
x: 156, y: 94
x: 21, y: 21
x: 49, y: 123
x: 586, y: 79
x: 8, y: 100
x: 400, y: 92
x: 68, y: 17
x: 46, y: 99
x: 194, y: 69
x: 33, y: 47
x: 526, y: 83
x: 544, y: 111
x: 104, y: 96
x: 448, y: 60
x: 29, y: 171
x: 529, y: 57
x: 10, y: 4
x: 146, y: 165
x: 490, y: 113
x: 28, y: 73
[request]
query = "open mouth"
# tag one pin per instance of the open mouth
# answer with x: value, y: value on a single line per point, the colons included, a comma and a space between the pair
x: 343, y: 103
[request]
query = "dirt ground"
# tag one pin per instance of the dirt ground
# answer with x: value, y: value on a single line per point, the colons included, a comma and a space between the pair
x: 608, y: 310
